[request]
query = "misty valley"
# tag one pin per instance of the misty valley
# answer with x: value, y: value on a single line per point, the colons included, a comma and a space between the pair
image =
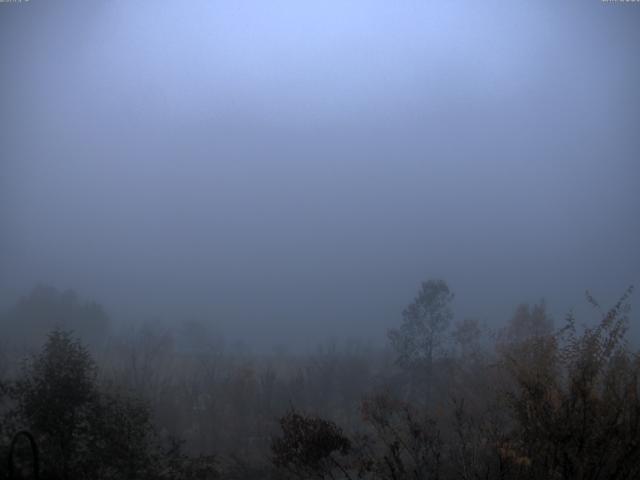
x: 446, y: 398
x: 319, y: 240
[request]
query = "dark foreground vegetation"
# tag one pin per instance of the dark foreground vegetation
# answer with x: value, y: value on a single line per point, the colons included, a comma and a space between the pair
x: 448, y: 400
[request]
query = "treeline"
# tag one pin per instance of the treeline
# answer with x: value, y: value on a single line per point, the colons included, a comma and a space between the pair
x: 446, y: 400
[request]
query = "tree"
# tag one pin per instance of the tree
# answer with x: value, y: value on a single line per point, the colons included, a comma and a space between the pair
x: 528, y: 322
x: 45, y: 308
x: 82, y: 431
x: 54, y: 398
x: 466, y: 336
x: 423, y: 325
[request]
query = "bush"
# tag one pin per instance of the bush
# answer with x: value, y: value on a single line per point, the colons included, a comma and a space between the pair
x: 576, y: 405
x: 310, y: 447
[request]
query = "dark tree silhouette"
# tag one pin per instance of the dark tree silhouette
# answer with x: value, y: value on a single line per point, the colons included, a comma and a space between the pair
x: 84, y: 432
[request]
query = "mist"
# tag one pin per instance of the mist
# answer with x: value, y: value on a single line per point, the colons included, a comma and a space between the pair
x: 289, y: 172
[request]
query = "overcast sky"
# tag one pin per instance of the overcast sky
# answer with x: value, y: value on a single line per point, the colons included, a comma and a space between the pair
x: 291, y: 170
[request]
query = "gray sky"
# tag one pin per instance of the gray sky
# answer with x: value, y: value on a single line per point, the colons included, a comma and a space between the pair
x: 290, y: 171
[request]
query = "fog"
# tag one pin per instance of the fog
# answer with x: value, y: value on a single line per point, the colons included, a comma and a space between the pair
x: 289, y: 172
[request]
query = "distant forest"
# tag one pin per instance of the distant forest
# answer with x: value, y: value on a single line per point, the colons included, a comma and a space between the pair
x: 446, y: 399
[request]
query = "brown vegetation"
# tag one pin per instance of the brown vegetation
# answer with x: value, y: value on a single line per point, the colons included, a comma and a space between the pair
x: 539, y: 403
